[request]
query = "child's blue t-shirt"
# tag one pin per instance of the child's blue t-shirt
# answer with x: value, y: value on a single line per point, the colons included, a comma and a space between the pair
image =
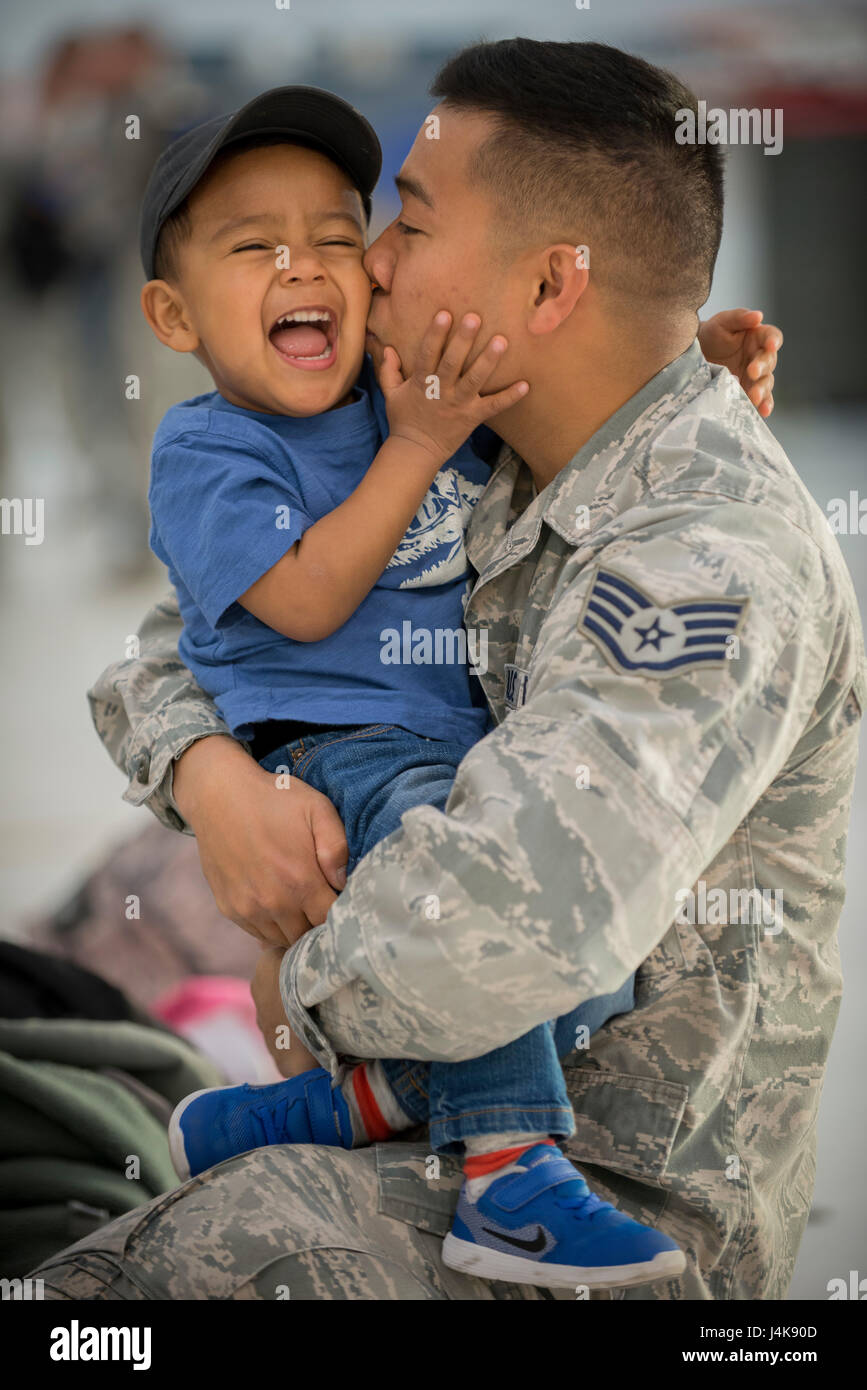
x: 232, y: 489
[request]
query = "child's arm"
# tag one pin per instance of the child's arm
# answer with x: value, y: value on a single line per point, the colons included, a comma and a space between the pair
x: 323, y: 577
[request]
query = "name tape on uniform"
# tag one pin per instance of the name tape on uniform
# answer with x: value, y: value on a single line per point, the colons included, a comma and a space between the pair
x: 516, y: 686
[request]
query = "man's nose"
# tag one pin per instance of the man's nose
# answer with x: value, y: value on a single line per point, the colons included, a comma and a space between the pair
x: 379, y: 261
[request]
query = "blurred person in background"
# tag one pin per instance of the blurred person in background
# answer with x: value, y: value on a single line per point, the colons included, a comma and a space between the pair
x: 103, y: 106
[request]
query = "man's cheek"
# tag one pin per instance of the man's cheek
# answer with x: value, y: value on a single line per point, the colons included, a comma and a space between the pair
x: 416, y: 315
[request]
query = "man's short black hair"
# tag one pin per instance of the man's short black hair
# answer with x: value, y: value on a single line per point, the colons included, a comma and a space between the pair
x: 584, y: 151
x: 178, y: 227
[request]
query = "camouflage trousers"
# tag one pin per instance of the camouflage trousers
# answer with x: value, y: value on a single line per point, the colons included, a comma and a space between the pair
x: 287, y: 1223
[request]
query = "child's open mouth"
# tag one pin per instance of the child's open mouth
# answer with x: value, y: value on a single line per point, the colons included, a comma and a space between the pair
x: 307, y: 337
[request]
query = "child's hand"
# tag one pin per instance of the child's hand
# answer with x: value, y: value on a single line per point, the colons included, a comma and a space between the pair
x: 440, y: 405
x: 737, y: 339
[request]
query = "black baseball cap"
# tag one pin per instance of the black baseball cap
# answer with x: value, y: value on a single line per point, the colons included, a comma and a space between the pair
x: 305, y: 115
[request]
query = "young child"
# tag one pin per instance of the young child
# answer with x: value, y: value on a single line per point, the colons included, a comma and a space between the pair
x: 305, y: 516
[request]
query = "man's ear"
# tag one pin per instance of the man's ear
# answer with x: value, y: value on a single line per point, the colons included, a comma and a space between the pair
x: 560, y: 278
x: 164, y: 308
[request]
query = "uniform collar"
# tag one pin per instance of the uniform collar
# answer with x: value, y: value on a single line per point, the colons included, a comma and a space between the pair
x: 508, y: 504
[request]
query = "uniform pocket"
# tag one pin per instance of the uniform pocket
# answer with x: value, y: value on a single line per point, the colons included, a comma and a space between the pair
x: 625, y: 1128
x: 623, y: 1122
x: 418, y: 1186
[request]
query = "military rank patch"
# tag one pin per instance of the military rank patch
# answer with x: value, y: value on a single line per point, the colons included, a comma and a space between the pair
x: 636, y: 634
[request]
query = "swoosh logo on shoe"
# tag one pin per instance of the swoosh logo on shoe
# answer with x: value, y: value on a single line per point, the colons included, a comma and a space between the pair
x: 537, y: 1243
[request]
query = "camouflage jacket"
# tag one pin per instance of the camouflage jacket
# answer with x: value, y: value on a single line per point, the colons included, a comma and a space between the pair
x: 676, y: 667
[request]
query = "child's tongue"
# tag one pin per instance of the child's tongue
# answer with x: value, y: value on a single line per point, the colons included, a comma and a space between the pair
x: 300, y: 340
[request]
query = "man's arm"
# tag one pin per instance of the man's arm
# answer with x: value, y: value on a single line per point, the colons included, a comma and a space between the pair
x: 148, y: 709
x: 276, y: 864
x: 534, y: 891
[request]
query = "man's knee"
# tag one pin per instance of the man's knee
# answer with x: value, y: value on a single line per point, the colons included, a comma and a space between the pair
x: 348, y: 1273
x: 275, y: 1223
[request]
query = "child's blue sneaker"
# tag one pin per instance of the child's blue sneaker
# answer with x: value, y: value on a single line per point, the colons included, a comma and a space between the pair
x: 219, y: 1123
x: 539, y: 1223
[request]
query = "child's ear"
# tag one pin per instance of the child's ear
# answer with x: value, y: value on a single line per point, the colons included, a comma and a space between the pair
x: 164, y: 308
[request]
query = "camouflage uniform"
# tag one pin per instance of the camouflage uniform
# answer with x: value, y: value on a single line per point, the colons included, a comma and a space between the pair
x: 622, y: 772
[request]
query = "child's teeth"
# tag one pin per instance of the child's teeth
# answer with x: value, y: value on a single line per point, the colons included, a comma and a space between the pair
x: 318, y: 358
x: 305, y: 316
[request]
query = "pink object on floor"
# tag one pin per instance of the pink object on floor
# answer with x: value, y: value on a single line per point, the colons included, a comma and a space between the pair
x: 217, y: 1014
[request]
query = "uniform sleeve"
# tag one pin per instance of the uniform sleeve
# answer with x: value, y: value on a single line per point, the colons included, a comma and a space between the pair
x: 222, y: 516
x: 570, y: 830
x: 148, y: 709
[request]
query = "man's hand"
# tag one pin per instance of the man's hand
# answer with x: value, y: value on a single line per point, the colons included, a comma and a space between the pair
x: 274, y: 855
x: 291, y: 1056
x: 738, y: 339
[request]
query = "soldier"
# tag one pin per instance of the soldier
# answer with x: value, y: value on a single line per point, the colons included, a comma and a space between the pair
x: 676, y: 668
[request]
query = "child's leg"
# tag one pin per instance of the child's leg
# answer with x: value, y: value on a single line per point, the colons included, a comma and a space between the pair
x: 525, y: 1212
x: 411, y: 1081
x: 372, y: 774
x: 490, y: 1102
x: 401, y: 771
x: 573, y: 1030
x: 375, y: 775
x: 515, y: 1096
x: 481, y: 1104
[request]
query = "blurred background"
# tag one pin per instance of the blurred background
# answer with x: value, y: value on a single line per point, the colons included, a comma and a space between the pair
x: 71, y: 73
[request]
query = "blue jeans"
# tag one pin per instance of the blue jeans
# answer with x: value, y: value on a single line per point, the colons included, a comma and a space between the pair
x: 373, y: 773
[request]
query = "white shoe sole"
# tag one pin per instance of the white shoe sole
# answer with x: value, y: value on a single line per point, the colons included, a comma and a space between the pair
x: 494, y: 1264
x: 176, y: 1138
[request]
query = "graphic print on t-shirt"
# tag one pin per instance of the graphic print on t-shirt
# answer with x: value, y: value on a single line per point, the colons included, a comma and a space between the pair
x: 434, y: 542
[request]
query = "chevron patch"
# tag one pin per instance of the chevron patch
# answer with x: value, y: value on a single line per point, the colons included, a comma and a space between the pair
x: 636, y: 634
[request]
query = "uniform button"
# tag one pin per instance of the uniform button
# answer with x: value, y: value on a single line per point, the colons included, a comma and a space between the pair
x: 142, y: 766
